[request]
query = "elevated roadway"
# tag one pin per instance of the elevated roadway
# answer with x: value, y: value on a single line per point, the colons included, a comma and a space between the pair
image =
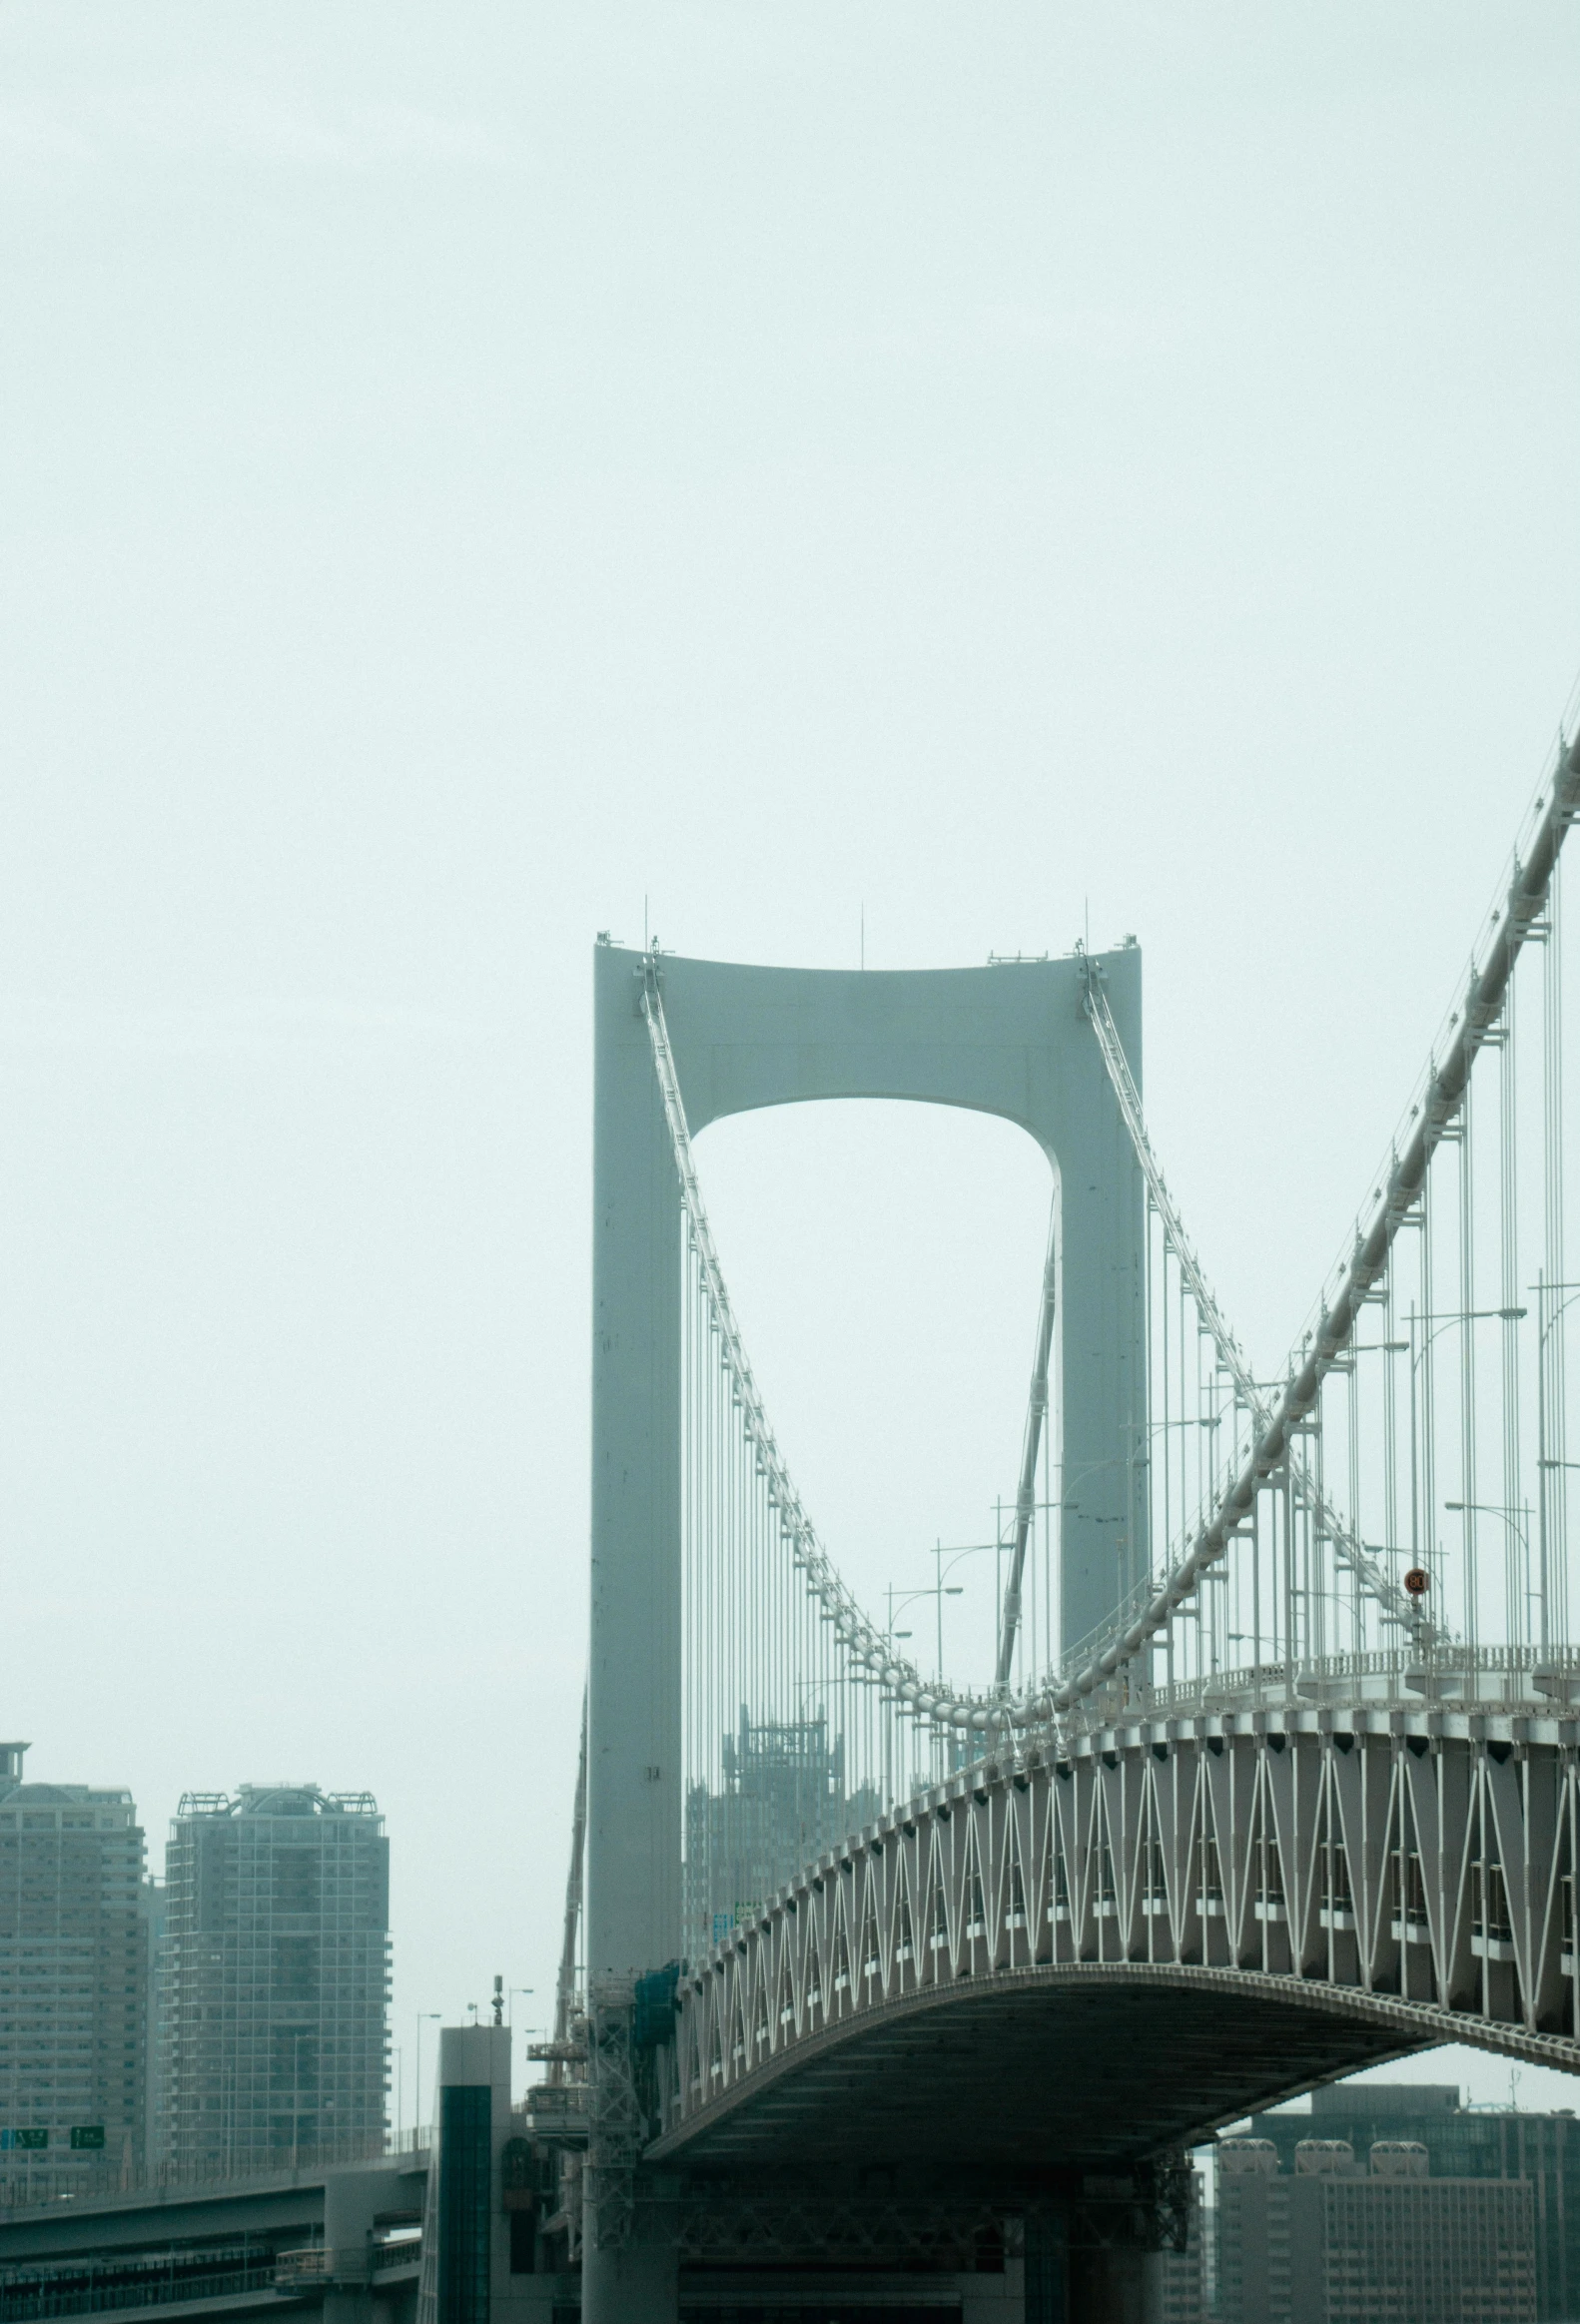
x: 1092, y: 1956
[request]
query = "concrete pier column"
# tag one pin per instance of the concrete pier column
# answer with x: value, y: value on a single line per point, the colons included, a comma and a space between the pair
x: 1110, y: 2285
x: 636, y: 2281
x: 986, y: 2299
x: 1087, y: 2283
x: 354, y: 2202
x: 637, y: 2285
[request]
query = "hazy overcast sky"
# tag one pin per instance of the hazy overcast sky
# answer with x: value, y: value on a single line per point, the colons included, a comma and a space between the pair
x: 469, y: 470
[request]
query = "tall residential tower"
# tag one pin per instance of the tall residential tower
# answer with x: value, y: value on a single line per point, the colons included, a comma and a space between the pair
x: 277, y: 1963
x: 73, y: 1981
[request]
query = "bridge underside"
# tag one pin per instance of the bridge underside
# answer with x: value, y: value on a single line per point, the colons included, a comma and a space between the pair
x: 1038, y: 2073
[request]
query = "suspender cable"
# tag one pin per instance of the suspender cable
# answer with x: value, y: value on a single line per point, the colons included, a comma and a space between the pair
x: 1327, y: 1521
x: 858, y: 1641
x: 1025, y: 1490
x: 1433, y: 1117
x: 1263, y: 1454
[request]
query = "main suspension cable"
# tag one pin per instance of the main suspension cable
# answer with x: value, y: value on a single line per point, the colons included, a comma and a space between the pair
x: 1439, y: 1109
x: 864, y: 1643
x: 1350, y: 1551
x: 1275, y: 1424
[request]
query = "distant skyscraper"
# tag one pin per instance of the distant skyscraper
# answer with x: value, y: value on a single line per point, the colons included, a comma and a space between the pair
x: 73, y: 1980
x: 1344, y: 2240
x: 1462, y: 2143
x: 782, y: 1802
x: 278, y: 1966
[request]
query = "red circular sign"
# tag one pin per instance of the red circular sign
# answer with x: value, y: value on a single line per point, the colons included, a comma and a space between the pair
x: 1415, y: 1581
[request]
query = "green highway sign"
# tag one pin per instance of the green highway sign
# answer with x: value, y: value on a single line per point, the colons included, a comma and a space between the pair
x: 88, y: 2134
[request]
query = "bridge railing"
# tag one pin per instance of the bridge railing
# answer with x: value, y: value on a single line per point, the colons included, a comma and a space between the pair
x: 1516, y: 1678
x: 51, y: 2184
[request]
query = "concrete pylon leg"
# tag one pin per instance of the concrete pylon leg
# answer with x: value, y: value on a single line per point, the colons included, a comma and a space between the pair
x: 1111, y: 2285
x: 636, y: 2286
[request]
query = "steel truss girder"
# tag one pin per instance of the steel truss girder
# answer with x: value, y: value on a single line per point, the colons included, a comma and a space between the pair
x: 729, y: 2227
x: 728, y: 2224
x: 1418, y: 1867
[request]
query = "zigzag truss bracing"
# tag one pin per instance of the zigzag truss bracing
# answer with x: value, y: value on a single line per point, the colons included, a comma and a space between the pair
x: 1414, y: 1876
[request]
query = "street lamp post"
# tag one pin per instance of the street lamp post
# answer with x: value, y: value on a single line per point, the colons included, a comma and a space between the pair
x: 1521, y: 1534
x: 1544, y: 1466
x: 935, y: 1590
x: 510, y: 2013
x: 939, y: 1591
x: 898, y: 1606
x: 1418, y: 1356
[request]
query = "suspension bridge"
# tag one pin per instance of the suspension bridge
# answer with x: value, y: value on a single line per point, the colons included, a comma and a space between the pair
x: 1273, y: 1772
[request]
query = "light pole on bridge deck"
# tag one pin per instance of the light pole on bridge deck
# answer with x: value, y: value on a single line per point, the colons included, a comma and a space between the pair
x: 1305, y: 1594
x: 938, y: 1591
x: 1440, y: 1324
x: 955, y: 1552
x: 1544, y: 1466
x: 908, y: 1597
x: 510, y: 2013
x: 1522, y: 1533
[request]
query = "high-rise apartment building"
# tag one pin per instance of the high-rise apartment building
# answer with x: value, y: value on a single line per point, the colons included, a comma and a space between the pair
x: 1461, y: 2142
x: 277, y: 1976
x: 73, y: 1981
x: 1341, y: 2239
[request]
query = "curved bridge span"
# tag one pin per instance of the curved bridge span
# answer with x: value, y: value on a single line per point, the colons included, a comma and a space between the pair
x: 1098, y: 1954
x: 1273, y: 1771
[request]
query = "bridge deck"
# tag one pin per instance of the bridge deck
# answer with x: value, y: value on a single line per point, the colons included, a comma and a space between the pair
x: 1097, y: 1956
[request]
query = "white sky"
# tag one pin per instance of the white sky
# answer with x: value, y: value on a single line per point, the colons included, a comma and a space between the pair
x: 469, y: 470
